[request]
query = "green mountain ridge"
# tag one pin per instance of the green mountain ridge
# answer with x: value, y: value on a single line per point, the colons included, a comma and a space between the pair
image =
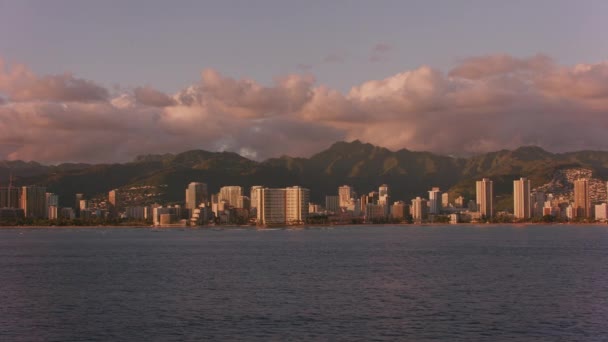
x: 362, y: 165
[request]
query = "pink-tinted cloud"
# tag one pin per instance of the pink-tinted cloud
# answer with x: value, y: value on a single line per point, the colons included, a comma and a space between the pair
x: 500, y: 64
x: 482, y: 104
x: 152, y: 97
x: 21, y: 84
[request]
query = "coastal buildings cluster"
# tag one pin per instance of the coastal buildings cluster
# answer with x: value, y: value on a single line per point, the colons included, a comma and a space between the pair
x: 264, y: 206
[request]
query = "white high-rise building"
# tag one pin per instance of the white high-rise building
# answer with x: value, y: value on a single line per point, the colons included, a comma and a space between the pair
x: 485, y: 197
x: 434, y: 198
x: 601, y: 212
x: 521, y: 198
x: 296, y: 204
x: 383, y: 195
x: 418, y: 209
x: 231, y: 194
x: 253, y: 195
x: 196, y: 194
x: 282, y: 206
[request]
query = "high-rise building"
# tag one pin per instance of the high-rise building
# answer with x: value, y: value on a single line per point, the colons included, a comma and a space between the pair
x: 537, y: 202
x: 67, y: 213
x: 231, y: 195
x: 52, y: 206
x: 78, y: 198
x: 521, y: 198
x: 399, y: 210
x: 51, y: 199
x: 345, y: 194
x: 33, y: 201
x: 419, y: 209
x: 332, y: 204
x: 113, y: 201
x: 363, y: 202
x: 271, y: 207
x: 84, y: 205
x: 243, y: 202
x: 9, y: 197
x: 296, y: 204
x: 582, y: 201
x: 485, y: 197
x: 375, y: 212
x: 313, y: 208
x: 383, y: 190
x: 383, y: 195
x: 445, y: 200
x: 373, y: 197
x: 459, y: 202
x: 253, y: 195
x: 434, y: 198
x: 601, y: 212
x: 282, y: 206
x: 196, y: 194
x: 52, y: 212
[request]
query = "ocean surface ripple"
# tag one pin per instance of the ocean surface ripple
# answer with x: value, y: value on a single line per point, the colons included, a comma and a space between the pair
x: 382, y: 283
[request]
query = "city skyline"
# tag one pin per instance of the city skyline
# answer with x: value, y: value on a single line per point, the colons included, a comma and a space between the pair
x: 265, y: 92
x: 303, y: 170
x: 292, y: 205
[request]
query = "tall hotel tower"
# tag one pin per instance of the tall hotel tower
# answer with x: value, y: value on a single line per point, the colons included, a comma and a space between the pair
x: 521, y: 198
x: 33, y: 201
x: 345, y: 193
x: 485, y: 196
x: 196, y: 193
x: 282, y: 206
x: 582, y: 203
x: 434, y: 201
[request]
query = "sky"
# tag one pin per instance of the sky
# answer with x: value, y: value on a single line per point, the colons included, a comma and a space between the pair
x: 101, y: 81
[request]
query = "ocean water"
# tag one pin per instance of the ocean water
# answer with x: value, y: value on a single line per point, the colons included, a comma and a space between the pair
x: 406, y: 283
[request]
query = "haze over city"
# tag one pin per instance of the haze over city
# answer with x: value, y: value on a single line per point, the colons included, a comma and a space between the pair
x: 100, y: 82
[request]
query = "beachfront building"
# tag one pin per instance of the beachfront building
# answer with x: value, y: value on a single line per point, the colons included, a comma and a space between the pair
x: 282, y: 206
x: 196, y: 194
x: 582, y: 202
x: 521, y: 199
x: 485, y: 197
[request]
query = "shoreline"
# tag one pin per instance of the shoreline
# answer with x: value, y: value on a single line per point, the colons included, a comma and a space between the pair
x: 371, y: 226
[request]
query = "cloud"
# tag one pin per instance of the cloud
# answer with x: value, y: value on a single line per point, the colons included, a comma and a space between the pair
x: 21, y: 84
x: 152, y: 97
x: 247, y: 98
x: 500, y: 64
x: 380, y: 52
x: 482, y: 104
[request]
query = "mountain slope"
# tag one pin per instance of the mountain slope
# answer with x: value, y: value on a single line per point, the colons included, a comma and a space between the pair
x: 361, y: 165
